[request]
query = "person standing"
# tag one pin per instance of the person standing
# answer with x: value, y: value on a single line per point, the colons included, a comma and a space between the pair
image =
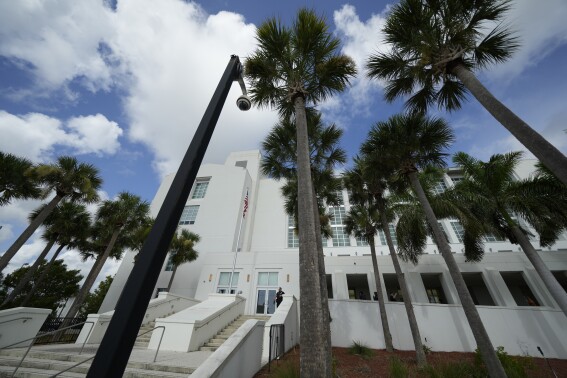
x: 279, y: 296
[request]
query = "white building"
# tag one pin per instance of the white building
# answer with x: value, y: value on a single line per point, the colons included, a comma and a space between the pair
x: 503, y: 285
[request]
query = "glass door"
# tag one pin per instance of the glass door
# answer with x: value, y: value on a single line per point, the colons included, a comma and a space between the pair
x: 266, y: 301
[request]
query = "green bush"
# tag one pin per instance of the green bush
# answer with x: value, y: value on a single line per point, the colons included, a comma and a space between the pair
x: 398, y: 369
x: 360, y: 349
x: 515, y: 367
x: 287, y: 369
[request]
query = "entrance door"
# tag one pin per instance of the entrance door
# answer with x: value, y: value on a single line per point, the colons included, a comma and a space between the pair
x: 265, y: 301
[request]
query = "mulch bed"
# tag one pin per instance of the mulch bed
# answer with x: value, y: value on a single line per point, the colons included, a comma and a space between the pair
x: 351, y: 366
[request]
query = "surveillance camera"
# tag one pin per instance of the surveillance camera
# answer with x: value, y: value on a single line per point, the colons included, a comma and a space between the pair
x: 243, y: 103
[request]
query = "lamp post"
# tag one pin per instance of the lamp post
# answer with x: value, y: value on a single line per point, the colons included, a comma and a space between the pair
x: 116, y: 346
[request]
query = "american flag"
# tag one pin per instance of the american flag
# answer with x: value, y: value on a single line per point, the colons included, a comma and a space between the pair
x: 245, y: 205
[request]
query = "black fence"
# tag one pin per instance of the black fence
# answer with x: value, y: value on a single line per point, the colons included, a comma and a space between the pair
x: 277, y: 342
x: 67, y: 336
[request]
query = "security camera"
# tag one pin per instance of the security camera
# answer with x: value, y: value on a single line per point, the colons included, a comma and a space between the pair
x: 243, y: 102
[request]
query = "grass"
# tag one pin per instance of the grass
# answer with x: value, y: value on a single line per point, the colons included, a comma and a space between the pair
x: 360, y: 349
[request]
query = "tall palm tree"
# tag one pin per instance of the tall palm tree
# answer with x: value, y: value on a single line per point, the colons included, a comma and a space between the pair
x: 71, y: 180
x: 435, y: 62
x: 182, y: 251
x: 66, y: 224
x: 368, y: 184
x: 492, y: 187
x: 116, y: 223
x: 363, y: 221
x: 279, y: 161
x: 291, y: 68
x: 15, y: 182
x: 407, y: 143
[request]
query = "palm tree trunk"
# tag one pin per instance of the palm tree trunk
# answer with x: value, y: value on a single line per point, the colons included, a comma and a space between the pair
x: 419, y: 351
x: 34, y: 224
x: 314, y: 350
x: 557, y: 292
x: 550, y: 156
x: 93, y: 274
x: 326, y: 313
x: 42, y: 276
x: 483, y: 342
x: 172, y: 277
x: 381, y: 302
x: 29, y: 274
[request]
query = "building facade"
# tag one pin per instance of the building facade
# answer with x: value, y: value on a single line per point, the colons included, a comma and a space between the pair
x: 267, y: 255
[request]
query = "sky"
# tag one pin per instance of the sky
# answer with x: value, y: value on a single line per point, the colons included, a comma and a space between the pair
x: 124, y: 84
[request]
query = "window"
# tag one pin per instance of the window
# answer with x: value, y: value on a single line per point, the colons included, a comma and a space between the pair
x: 477, y: 289
x: 340, y: 199
x: 268, y: 279
x: 357, y: 285
x: 492, y: 238
x: 338, y: 214
x: 459, y: 230
x: 522, y: 293
x: 224, y: 283
x: 169, y: 265
x: 189, y: 214
x: 361, y: 242
x: 439, y: 187
x: 200, y: 189
x: 392, y: 233
x: 241, y: 163
x: 340, y: 237
x: 292, y: 239
x: 444, y: 233
x: 456, y: 179
x: 434, y: 287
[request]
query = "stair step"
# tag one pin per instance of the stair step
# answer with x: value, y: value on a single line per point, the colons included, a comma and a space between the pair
x: 207, y: 349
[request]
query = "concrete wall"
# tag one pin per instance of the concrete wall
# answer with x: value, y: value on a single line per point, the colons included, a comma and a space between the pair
x: 238, y: 356
x: 288, y: 315
x: 445, y: 328
x: 20, y: 323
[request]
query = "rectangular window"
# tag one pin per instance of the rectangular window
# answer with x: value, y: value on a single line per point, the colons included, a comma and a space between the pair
x: 292, y: 238
x: 360, y: 242
x: 268, y: 279
x: 439, y: 187
x: 224, y: 283
x: 189, y: 214
x: 392, y: 233
x: 456, y: 179
x: 338, y: 214
x: 492, y: 238
x: 434, y: 287
x: 200, y: 189
x: 340, y: 237
x: 459, y: 230
x: 340, y: 199
x: 169, y: 265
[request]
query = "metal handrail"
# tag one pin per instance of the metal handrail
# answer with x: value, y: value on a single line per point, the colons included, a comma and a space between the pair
x: 90, y: 358
x: 13, y: 320
x: 37, y: 336
x: 278, y: 343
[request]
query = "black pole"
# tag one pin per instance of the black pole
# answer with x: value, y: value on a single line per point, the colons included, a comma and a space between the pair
x: 116, y: 346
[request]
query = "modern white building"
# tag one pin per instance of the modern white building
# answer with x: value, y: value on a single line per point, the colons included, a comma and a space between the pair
x: 513, y: 302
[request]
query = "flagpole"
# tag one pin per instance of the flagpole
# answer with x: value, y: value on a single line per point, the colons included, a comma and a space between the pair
x: 238, y: 241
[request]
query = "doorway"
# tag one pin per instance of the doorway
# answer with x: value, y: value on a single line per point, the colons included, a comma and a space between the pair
x: 265, y: 301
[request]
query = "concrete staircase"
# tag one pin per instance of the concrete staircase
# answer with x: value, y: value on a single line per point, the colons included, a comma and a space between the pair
x: 225, y: 333
x: 143, y: 340
x: 44, y: 363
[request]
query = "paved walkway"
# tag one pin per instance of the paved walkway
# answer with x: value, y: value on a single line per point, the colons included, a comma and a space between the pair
x: 164, y: 357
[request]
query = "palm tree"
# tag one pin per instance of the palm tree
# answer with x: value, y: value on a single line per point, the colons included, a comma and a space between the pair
x: 435, y: 62
x: 492, y: 188
x: 368, y: 185
x: 363, y: 221
x: 71, y: 180
x: 407, y: 143
x: 116, y: 223
x: 68, y: 223
x: 15, y: 183
x: 181, y: 251
x: 294, y: 67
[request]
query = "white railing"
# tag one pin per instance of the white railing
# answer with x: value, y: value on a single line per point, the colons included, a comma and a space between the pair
x: 238, y: 356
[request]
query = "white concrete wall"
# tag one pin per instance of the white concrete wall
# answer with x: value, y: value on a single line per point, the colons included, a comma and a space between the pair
x: 445, y: 328
x: 187, y: 330
x: 20, y: 323
x: 238, y: 356
x: 287, y: 314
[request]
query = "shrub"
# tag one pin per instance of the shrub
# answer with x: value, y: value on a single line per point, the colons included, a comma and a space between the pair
x: 398, y: 369
x: 515, y: 367
x: 360, y: 349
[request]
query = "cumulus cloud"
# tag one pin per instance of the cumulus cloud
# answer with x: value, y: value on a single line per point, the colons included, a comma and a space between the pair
x: 35, y: 135
x: 58, y: 41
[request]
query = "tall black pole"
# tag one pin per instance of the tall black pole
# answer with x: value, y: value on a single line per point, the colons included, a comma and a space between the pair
x: 116, y: 346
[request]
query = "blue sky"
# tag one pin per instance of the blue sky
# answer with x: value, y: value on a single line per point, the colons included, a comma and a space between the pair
x: 123, y: 85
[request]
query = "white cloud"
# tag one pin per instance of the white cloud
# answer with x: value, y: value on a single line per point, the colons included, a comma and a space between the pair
x: 35, y: 135
x: 540, y: 27
x: 58, y: 40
